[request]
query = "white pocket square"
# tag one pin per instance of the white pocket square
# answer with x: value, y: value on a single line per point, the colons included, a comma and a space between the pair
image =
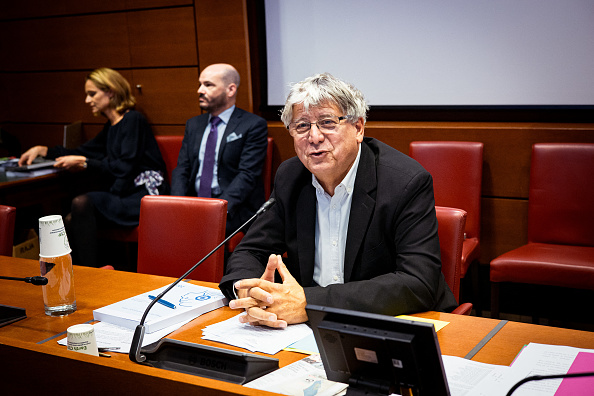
x: 233, y: 136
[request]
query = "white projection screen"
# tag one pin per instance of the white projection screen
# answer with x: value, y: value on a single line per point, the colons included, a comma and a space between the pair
x: 436, y: 53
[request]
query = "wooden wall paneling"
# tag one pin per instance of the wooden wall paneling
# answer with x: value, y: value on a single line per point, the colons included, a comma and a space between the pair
x: 51, y: 97
x: 504, y: 226
x: 134, y: 4
x: 48, y: 97
x: 163, y: 37
x: 223, y: 38
x: 78, y: 42
x: 31, y: 135
x: 167, y: 96
x: 44, y: 8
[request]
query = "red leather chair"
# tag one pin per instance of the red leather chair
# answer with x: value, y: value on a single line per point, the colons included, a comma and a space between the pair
x: 457, y: 171
x: 169, y: 147
x: 560, y: 248
x: 7, y: 219
x: 451, y: 222
x: 176, y: 232
x: 267, y: 179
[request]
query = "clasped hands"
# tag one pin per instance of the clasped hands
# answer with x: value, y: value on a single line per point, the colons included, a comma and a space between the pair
x: 268, y: 303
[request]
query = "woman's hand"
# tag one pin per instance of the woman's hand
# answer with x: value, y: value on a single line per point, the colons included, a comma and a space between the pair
x: 71, y: 162
x: 28, y: 156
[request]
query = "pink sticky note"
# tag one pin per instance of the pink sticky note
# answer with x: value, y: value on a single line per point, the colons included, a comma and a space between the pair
x: 584, y: 361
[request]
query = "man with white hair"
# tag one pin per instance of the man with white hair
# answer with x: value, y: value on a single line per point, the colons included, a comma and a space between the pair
x: 355, y: 217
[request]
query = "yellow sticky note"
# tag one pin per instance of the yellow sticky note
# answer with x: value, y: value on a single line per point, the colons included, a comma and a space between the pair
x: 438, y: 324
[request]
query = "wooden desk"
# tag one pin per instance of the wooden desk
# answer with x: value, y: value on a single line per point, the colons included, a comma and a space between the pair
x: 37, y: 196
x: 30, y: 361
x: 23, y: 189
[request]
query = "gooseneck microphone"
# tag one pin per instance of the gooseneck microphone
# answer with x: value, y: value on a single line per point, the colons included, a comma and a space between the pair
x: 547, y: 377
x: 35, y: 280
x: 135, y: 354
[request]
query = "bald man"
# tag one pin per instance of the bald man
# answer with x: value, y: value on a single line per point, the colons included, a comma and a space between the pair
x: 241, y: 141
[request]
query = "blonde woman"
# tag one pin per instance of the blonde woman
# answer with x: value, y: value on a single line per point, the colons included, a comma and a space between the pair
x: 123, y: 158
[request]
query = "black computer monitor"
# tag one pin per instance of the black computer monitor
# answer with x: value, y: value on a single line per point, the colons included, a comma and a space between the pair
x: 378, y: 354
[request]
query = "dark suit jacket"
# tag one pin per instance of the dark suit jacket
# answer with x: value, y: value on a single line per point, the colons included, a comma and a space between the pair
x: 240, y: 161
x: 392, y: 258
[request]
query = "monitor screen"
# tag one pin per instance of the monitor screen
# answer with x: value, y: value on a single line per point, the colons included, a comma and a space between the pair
x: 378, y: 354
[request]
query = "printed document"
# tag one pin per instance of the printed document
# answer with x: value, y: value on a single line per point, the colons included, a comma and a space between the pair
x: 184, y: 302
x: 255, y: 338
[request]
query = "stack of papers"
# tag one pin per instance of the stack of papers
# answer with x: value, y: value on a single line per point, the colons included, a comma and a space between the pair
x: 182, y: 303
x: 466, y: 377
x: 255, y: 338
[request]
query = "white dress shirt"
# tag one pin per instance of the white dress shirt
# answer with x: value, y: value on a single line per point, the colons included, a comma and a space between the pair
x: 332, y: 223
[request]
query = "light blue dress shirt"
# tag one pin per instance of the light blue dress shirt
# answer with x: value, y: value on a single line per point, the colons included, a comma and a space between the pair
x: 224, y: 116
x: 332, y: 223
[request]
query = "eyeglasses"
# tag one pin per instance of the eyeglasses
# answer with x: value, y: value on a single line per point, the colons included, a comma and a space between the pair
x: 326, y: 124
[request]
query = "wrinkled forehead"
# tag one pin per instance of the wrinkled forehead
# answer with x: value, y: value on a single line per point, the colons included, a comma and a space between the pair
x: 309, y: 111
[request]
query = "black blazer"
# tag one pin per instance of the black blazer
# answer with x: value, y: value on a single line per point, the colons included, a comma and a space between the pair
x: 240, y: 161
x: 392, y: 258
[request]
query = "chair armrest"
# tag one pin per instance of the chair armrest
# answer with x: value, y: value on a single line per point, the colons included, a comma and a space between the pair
x: 463, y: 309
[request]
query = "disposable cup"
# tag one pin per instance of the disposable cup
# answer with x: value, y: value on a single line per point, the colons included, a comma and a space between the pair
x: 81, y: 338
x: 53, y: 241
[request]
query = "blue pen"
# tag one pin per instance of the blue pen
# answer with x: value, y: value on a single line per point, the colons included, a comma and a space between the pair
x: 163, y: 302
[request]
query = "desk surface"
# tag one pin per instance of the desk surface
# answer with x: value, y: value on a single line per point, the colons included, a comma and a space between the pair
x: 30, y: 347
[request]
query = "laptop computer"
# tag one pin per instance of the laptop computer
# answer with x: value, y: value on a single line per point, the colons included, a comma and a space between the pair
x: 38, y: 163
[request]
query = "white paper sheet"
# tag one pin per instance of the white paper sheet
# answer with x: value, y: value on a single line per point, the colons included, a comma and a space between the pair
x: 255, y: 338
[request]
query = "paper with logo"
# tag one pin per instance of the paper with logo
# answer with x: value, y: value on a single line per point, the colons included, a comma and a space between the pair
x: 190, y: 301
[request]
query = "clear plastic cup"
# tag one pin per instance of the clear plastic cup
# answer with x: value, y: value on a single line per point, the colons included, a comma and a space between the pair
x: 56, y: 265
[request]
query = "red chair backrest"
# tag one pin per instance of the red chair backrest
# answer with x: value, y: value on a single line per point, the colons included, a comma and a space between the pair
x: 176, y: 232
x: 169, y: 147
x: 7, y: 219
x: 561, y: 197
x: 451, y: 223
x: 457, y: 171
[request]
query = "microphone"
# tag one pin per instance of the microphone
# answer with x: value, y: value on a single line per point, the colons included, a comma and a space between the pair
x: 135, y: 354
x: 35, y: 280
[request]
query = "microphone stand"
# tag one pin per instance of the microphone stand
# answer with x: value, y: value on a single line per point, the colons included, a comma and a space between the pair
x: 135, y: 354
